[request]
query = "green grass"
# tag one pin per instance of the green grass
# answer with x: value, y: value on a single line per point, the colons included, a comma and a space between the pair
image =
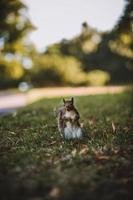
x: 36, y: 164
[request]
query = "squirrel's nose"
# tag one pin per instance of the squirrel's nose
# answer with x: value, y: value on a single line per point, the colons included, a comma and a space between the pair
x: 68, y: 108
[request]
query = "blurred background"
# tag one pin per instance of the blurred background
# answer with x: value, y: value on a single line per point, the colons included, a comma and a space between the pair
x: 65, y: 43
x: 96, y: 57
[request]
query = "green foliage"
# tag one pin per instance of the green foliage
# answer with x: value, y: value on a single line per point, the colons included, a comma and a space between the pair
x: 14, y: 26
x: 36, y: 163
x: 109, y: 52
x: 86, y: 42
x: 125, y: 22
x: 123, y: 43
x: 98, y: 77
x: 69, y: 62
x: 58, y: 69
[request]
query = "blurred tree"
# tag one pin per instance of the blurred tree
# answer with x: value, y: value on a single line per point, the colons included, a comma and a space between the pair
x: 54, y: 69
x: 95, y: 57
x: 14, y: 26
x: 105, y: 57
x: 86, y: 42
x: 125, y: 23
x: 110, y: 52
x: 14, y: 23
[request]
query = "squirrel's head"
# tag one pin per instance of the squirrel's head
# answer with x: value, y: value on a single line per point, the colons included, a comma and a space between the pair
x: 68, y: 104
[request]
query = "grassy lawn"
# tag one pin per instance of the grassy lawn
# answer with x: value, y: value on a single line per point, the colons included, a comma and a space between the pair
x: 36, y: 164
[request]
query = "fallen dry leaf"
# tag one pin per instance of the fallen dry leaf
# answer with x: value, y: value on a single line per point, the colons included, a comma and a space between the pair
x: 92, y: 121
x: 74, y: 152
x: 55, y: 192
x: 99, y: 155
x: 84, y: 150
x: 113, y: 126
x: 54, y: 142
x: 102, y: 157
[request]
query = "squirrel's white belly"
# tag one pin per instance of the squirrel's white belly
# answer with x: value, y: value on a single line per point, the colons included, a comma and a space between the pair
x: 71, y: 132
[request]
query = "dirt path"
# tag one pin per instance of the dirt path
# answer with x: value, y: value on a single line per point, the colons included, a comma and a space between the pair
x: 13, y: 100
x: 36, y: 94
x: 9, y: 101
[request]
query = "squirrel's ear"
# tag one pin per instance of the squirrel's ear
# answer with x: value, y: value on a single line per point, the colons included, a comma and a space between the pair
x: 63, y: 100
x: 72, y: 99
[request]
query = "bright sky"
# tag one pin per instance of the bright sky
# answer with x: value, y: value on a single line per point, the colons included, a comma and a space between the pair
x: 59, y: 19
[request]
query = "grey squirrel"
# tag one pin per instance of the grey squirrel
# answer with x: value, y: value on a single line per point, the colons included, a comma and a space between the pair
x: 68, y: 120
